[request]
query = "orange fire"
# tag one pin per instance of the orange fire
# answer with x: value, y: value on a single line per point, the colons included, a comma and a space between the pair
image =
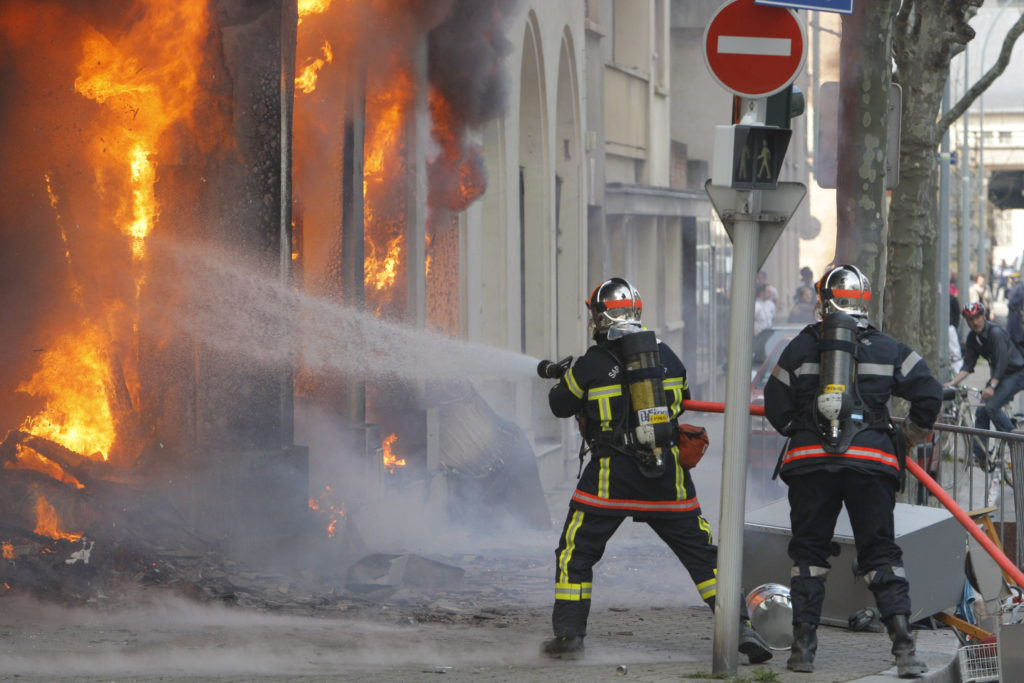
x: 324, y: 506
x: 74, y: 377
x: 148, y: 80
x: 391, y: 461
x: 47, y: 523
x: 7, y: 550
x: 388, y: 107
x: 28, y: 459
x: 306, y: 80
x: 308, y: 7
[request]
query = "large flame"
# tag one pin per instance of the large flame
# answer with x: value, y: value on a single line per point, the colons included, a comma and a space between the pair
x: 388, y: 107
x: 73, y: 378
x: 148, y: 79
x: 47, y: 523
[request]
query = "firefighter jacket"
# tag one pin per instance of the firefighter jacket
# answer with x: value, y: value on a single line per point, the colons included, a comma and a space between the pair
x: 995, y: 345
x: 593, y: 391
x: 884, y: 368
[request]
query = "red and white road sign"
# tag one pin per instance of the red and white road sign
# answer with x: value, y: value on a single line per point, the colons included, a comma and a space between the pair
x: 754, y: 50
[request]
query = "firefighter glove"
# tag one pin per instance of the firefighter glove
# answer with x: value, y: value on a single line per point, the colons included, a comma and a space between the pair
x: 914, y: 434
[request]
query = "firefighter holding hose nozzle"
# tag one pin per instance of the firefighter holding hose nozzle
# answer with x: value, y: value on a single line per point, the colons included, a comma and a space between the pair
x: 627, y: 393
x: 829, y: 395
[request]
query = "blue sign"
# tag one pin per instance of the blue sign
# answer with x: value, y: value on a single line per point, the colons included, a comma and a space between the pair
x: 842, y: 6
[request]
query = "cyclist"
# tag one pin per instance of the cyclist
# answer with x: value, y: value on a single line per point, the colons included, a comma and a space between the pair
x: 1006, y: 366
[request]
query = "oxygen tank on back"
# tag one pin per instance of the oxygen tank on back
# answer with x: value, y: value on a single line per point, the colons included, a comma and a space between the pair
x: 649, y: 421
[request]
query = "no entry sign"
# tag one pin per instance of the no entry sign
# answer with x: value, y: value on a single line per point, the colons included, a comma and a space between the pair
x: 754, y: 50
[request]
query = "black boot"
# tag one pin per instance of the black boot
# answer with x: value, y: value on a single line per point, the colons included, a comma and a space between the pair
x: 564, y: 647
x: 907, y: 663
x: 805, y: 644
x: 752, y: 644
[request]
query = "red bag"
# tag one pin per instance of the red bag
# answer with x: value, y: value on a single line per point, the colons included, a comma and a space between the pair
x: 693, y: 442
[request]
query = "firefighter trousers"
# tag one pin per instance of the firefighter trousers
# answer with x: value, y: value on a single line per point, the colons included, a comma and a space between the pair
x: 815, y: 500
x: 582, y: 544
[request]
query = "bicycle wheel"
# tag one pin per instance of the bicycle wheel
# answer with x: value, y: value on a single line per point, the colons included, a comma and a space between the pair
x: 967, y: 448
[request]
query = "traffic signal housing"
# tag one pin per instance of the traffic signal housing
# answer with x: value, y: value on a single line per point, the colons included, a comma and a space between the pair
x: 783, y: 106
x: 749, y: 157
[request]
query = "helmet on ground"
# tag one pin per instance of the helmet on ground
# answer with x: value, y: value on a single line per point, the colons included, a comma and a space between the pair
x: 844, y: 289
x: 974, y: 309
x: 614, y: 302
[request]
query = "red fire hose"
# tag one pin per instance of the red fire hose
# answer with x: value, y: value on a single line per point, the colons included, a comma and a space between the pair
x: 998, y: 555
x: 712, y: 407
x: 972, y: 528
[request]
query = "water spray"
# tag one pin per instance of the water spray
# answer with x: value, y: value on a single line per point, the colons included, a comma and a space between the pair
x: 257, y: 317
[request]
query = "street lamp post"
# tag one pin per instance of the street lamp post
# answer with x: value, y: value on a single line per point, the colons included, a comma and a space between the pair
x: 982, y: 186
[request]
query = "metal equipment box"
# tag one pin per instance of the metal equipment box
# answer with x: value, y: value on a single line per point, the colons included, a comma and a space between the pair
x: 934, y: 548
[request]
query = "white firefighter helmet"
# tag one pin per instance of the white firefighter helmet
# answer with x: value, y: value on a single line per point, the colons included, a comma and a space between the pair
x: 614, y: 302
x: 843, y: 289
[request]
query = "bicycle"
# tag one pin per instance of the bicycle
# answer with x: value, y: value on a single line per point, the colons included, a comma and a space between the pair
x: 958, y: 447
x: 954, y: 447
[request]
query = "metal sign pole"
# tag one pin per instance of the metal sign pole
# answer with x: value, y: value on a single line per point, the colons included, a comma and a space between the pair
x: 754, y: 220
x: 736, y: 428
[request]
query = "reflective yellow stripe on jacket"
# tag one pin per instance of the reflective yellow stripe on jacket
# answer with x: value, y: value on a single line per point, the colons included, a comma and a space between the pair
x: 603, y: 397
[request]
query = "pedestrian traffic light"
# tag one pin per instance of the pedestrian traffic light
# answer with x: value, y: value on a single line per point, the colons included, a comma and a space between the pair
x: 749, y: 157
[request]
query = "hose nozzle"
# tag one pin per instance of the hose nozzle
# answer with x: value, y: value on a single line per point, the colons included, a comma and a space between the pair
x: 548, y: 369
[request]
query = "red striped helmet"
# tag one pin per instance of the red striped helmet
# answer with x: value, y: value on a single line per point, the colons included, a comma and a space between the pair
x: 844, y: 289
x: 614, y: 302
x: 975, y: 309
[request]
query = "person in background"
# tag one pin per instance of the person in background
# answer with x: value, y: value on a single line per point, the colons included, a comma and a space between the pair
x: 762, y: 278
x: 806, y: 280
x: 1002, y: 279
x: 764, y: 309
x: 1006, y: 367
x: 829, y: 396
x: 803, y: 309
x: 956, y: 352
x: 978, y: 293
x: 622, y: 479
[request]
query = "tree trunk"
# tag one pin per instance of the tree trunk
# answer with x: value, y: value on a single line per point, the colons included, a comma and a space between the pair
x: 927, y: 35
x: 913, y: 260
x: 864, y: 94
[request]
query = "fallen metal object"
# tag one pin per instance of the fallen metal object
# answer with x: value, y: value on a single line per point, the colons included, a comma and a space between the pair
x: 771, y: 614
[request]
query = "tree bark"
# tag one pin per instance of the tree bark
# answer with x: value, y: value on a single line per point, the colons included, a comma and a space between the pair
x: 864, y: 95
x: 923, y: 40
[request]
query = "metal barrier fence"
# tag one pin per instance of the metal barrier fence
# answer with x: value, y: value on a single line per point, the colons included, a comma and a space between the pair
x: 948, y: 458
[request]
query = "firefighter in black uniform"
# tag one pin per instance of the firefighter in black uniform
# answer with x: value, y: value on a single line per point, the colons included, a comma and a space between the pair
x: 829, y: 395
x: 627, y: 392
